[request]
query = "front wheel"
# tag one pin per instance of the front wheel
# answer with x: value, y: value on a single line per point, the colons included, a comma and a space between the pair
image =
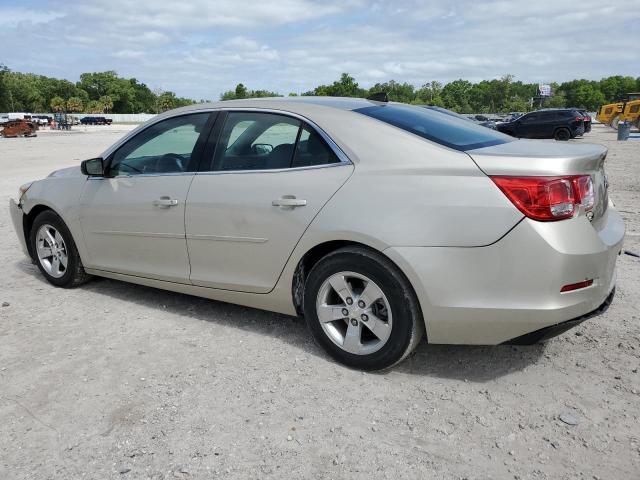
x: 361, y: 309
x: 55, y: 251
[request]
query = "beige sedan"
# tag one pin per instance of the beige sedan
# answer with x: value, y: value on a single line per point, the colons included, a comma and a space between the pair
x: 381, y: 223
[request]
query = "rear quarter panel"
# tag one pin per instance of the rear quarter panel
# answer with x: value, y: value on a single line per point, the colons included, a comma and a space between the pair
x: 407, y: 191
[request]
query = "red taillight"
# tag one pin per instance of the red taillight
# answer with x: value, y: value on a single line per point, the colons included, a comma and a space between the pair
x: 548, y: 198
x: 579, y: 119
x: 583, y: 186
x: 576, y: 286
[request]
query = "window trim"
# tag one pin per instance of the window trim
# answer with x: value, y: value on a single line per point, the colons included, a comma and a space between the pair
x: 216, y: 132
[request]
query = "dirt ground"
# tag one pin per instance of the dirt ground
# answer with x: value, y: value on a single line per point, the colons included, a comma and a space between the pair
x: 117, y: 381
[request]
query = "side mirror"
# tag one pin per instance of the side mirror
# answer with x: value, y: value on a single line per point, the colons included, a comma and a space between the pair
x: 94, y: 167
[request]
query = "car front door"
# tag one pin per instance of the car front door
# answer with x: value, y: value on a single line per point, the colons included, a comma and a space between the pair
x: 528, y: 126
x: 268, y: 178
x: 133, y: 217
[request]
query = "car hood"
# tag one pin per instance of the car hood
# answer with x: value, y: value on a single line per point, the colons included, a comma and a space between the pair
x: 67, y: 172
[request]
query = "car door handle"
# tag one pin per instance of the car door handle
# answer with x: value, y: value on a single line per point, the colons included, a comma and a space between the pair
x: 165, y: 202
x: 289, y: 201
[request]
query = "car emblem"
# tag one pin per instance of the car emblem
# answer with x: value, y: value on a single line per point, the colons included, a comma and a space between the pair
x: 590, y: 216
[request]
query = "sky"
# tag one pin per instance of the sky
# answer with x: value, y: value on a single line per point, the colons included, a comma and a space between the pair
x: 200, y: 48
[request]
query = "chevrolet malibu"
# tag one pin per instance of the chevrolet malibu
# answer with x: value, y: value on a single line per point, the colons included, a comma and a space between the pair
x: 380, y: 223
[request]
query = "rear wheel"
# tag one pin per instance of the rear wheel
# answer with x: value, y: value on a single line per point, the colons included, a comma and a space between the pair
x: 55, y: 251
x: 361, y: 309
x: 562, y: 134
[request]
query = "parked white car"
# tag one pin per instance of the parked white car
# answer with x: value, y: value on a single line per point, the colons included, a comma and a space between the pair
x: 376, y: 221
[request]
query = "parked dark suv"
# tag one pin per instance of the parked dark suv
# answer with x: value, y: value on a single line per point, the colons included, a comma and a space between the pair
x: 561, y: 124
x: 95, y: 121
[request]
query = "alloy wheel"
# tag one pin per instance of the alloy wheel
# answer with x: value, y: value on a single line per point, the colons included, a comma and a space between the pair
x: 52, y: 251
x: 354, y: 313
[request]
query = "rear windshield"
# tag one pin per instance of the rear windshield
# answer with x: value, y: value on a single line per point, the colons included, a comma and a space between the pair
x: 447, y: 130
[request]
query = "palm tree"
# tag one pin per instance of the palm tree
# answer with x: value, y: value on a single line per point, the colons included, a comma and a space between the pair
x: 107, y: 103
x: 57, y: 104
x: 94, y: 106
x: 74, y: 104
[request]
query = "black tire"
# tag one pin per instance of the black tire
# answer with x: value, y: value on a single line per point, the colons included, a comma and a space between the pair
x: 74, y: 274
x: 562, y: 134
x: 408, y: 325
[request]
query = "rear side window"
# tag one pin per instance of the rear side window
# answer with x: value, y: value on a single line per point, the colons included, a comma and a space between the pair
x: 312, y: 150
x: 634, y: 108
x: 447, y: 130
x: 269, y: 141
x: 256, y: 141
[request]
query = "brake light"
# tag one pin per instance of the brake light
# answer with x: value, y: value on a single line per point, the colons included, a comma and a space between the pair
x: 579, y: 119
x: 547, y: 199
x: 583, y: 186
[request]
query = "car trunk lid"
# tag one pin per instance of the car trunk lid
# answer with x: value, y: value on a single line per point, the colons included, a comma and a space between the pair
x: 538, y: 158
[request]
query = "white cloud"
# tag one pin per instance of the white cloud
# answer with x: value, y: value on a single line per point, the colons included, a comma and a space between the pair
x: 13, y: 16
x: 199, y: 48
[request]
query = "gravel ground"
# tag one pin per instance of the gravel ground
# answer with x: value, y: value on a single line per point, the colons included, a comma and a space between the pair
x: 113, y: 380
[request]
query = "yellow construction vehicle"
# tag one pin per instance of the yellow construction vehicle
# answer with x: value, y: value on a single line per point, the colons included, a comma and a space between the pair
x: 628, y: 109
x: 607, y: 112
x: 630, y: 114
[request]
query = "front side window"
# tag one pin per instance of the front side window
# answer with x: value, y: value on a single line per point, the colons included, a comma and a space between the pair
x: 447, y: 130
x: 268, y: 141
x: 530, y: 118
x: 165, y: 147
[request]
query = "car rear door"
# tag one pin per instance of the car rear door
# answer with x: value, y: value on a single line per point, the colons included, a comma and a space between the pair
x: 133, y: 218
x: 268, y: 176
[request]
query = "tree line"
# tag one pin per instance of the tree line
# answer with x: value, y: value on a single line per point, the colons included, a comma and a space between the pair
x: 488, y: 96
x: 98, y: 92
x: 106, y: 92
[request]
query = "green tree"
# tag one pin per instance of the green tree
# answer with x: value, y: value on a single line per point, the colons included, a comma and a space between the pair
x: 106, y: 102
x: 57, y: 104
x: 74, y: 104
x: 241, y: 91
x: 5, y: 101
x: 431, y: 94
x: 557, y: 100
x: 345, y: 87
x: 94, y: 106
x: 614, y: 88
x: 456, y: 96
x: 582, y: 94
x: 397, y: 92
x: 167, y: 101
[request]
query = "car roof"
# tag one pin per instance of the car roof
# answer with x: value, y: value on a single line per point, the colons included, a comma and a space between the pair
x: 292, y: 104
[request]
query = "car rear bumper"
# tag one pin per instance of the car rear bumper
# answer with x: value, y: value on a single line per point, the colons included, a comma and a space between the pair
x: 16, y: 218
x: 559, y: 328
x: 496, y: 293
